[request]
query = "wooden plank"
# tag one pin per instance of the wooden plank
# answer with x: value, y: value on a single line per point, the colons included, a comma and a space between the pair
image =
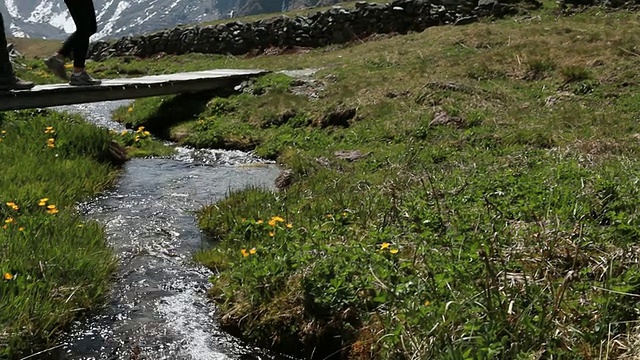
x: 130, y: 88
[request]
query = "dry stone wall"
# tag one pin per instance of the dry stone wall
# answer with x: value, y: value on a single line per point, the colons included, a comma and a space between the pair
x: 334, y: 26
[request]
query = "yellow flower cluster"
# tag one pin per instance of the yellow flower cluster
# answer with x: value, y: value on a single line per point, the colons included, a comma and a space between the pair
x: 51, y: 143
x: 275, y: 220
x: 49, y: 130
x: 246, y: 252
x: 3, y: 133
x: 51, y: 208
x: 386, y: 245
x: 10, y: 220
x: 8, y: 276
x: 141, y: 133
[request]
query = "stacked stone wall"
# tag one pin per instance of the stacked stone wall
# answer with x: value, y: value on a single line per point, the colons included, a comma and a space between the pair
x: 334, y: 26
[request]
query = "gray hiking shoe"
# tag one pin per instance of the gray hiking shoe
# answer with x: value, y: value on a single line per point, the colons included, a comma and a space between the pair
x: 14, y: 83
x: 83, y: 79
x: 57, y: 67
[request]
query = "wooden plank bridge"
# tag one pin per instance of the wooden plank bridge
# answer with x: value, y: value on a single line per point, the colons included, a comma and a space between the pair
x: 130, y: 88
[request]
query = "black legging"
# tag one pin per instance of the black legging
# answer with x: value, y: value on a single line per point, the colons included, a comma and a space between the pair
x: 5, y: 63
x: 84, y: 16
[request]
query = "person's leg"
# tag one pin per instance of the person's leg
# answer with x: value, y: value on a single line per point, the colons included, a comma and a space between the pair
x: 6, y: 70
x: 84, y: 16
x: 8, y: 79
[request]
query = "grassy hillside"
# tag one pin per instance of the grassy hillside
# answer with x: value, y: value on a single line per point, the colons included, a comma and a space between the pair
x: 465, y: 192
x: 33, y: 48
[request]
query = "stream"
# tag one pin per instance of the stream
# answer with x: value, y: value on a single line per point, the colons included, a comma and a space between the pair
x: 158, y: 307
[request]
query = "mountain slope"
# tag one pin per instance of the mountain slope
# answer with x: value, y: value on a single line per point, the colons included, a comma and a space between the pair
x: 49, y: 19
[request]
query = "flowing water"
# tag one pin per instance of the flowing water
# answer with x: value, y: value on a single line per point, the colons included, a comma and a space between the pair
x: 157, y: 307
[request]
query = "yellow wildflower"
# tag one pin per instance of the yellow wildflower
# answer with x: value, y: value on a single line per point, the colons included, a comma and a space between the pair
x: 244, y: 252
x: 393, y: 251
x: 4, y: 131
x: 13, y: 205
x: 8, y: 276
x: 272, y: 234
x: 253, y: 251
x: 137, y: 138
x: 277, y: 219
x: 141, y: 128
x: 21, y: 228
x: 52, y: 211
x: 130, y: 109
x: 52, y: 206
x: 272, y: 222
x: 427, y: 303
x: 9, y: 220
x: 289, y: 225
x: 259, y: 222
x: 384, y: 245
x: 124, y: 132
x: 146, y: 133
x: 49, y: 130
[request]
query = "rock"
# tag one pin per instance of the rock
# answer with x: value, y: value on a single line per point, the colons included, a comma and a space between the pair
x: 323, y: 161
x: 284, y: 180
x: 442, y: 118
x: 280, y: 119
x: 350, y: 155
x: 466, y: 20
x: 340, y: 116
x: 117, y: 153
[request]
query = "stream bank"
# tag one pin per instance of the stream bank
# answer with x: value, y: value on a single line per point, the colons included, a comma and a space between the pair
x: 158, y: 307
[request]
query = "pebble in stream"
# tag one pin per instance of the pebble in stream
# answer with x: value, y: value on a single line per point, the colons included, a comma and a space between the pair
x: 157, y: 306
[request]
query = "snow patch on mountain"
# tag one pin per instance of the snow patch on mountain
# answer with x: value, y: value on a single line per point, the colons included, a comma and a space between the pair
x: 12, y: 8
x: 50, y: 19
x: 107, y: 28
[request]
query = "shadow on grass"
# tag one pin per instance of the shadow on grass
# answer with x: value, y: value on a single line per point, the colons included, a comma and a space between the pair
x: 178, y: 109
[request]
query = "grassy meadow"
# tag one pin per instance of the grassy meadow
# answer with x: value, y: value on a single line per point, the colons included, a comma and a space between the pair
x: 54, y: 265
x: 490, y: 211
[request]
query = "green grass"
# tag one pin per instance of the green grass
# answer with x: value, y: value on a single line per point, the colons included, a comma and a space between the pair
x: 507, y: 232
x: 55, y: 266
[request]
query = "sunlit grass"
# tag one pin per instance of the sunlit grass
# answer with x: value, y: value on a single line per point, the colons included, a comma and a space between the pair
x: 55, y: 266
x: 494, y: 211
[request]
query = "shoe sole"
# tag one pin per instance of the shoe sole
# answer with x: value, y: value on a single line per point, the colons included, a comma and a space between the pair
x: 57, y: 69
x: 85, y: 84
x: 16, y: 88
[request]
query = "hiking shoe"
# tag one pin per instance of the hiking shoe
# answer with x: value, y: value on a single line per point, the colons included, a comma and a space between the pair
x: 83, y: 79
x: 57, y: 67
x: 15, y: 83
